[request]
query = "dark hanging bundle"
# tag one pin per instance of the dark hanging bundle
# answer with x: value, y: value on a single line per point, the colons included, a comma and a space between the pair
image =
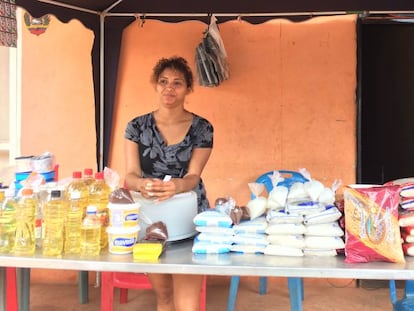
x: 211, y: 57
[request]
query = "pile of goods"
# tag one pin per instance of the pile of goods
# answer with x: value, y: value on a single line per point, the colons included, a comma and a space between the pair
x: 298, y: 217
x: 81, y: 215
x: 406, y: 213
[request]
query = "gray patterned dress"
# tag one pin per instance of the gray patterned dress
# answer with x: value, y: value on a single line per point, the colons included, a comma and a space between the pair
x: 158, y: 159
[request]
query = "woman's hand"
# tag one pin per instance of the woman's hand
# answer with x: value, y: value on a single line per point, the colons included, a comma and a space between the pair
x: 156, y: 189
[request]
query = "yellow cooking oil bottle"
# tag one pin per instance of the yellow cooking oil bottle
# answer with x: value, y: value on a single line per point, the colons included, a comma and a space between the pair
x: 24, y: 241
x: 53, y: 224
x: 7, y: 220
x: 73, y: 224
x: 90, y: 233
x: 88, y: 178
x: 78, y: 185
x: 99, y: 192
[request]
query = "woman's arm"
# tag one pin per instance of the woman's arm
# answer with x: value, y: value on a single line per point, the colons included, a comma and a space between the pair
x: 133, y: 173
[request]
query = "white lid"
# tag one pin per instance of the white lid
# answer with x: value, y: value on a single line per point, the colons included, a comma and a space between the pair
x: 91, y: 209
x: 122, y: 230
x: 124, y: 206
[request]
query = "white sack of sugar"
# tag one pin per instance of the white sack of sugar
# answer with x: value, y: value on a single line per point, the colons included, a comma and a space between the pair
x: 281, y: 217
x: 256, y: 206
x: 327, y: 196
x: 277, y: 197
x: 312, y: 187
x: 297, y: 192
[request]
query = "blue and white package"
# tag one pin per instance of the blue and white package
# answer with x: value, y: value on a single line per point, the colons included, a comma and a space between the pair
x: 203, y: 247
x: 257, y: 225
x: 257, y: 239
x: 216, y: 238
x: 214, y: 229
x: 247, y: 249
x: 213, y: 218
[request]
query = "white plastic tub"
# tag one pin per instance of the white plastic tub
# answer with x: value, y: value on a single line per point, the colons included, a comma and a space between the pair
x: 123, y: 215
x: 122, y: 240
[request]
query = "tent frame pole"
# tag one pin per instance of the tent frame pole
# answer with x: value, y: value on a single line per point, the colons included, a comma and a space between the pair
x: 101, y: 88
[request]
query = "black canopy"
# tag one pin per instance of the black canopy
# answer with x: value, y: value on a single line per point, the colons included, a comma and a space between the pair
x: 110, y: 17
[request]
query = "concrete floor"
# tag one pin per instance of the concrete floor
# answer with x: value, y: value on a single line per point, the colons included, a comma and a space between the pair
x: 320, y: 295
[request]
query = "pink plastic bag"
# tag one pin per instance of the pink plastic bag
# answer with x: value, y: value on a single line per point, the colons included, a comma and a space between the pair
x: 371, y: 223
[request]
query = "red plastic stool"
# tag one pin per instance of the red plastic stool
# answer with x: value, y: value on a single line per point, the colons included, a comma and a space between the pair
x: 125, y: 280
x: 11, y: 290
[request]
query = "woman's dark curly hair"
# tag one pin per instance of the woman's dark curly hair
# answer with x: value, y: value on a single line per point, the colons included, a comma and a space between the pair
x: 177, y: 63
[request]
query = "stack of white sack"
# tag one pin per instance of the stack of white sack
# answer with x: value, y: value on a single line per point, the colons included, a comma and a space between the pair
x: 323, y: 234
x: 249, y: 236
x: 216, y: 234
x: 293, y: 213
x: 284, y: 234
x: 285, y: 228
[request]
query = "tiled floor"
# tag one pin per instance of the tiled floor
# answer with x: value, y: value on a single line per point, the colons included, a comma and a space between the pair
x: 320, y: 295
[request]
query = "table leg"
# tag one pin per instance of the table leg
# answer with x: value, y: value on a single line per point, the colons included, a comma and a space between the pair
x: 295, y: 292
x: 23, y: 284
x: 83, y: 286
x: 2, y: 288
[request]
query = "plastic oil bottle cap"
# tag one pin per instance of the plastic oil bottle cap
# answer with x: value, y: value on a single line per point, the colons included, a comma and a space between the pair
x: 55, y: 193
x: 77, y: 174
x: 88, y: 171
x: 91, y: 209
x: 99, y: 175
x: 27, y: 191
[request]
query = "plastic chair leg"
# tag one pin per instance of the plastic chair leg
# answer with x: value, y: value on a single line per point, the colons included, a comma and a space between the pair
x: 123, y: 295
x: 11, y: 290
x: 393, y: 292
x: 409, y: 289
x: 234, y: 287
x: 295, y: 292
x: 107, y: 291
x: 263, y: 285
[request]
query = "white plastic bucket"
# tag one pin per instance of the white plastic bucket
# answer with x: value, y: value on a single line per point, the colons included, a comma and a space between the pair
x: 177, y: 213
x: 121, y: 240
x: 123, y: 215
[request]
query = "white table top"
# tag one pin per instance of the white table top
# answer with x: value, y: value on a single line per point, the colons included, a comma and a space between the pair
x: 178, y: 258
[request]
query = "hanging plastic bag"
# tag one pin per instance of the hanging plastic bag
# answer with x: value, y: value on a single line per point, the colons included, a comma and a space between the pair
x: 211, y: 57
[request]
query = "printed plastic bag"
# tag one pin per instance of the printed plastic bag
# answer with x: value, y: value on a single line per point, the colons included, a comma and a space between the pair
x: 371, y: 224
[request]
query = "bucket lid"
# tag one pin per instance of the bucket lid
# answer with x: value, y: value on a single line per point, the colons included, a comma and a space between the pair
x: 122, y: 230
x: 124, y: 206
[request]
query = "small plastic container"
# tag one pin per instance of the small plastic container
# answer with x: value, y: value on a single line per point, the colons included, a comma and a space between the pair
x: 123, y: 215
x: 23, y: 164
x: 121, y: 240
x: 43, y: 164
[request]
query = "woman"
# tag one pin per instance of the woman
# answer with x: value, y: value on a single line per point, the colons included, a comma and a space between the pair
x: 170, y: 141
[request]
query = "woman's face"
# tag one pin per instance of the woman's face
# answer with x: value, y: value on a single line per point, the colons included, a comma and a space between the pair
x: 172, y: 88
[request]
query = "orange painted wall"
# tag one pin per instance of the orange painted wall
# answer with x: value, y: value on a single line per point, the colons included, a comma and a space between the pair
x: 58, y: 109
x: 289, y: 102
